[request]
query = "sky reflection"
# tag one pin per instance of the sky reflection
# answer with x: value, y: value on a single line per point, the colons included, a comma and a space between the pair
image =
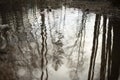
x: 76, y: 43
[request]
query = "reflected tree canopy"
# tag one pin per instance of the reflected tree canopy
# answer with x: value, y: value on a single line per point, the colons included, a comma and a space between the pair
x: 56, y: 39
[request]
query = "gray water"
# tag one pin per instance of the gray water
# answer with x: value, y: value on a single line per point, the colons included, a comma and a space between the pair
x: 52, y: 45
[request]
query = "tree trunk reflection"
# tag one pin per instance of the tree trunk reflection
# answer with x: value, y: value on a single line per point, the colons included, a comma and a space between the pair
x: 95, y: 47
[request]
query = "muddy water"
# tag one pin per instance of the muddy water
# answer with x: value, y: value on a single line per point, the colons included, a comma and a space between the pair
x: 56, y: 44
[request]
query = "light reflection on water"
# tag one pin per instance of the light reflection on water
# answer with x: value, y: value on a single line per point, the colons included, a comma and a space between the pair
x: 69, y: 42
x: 55, y: 45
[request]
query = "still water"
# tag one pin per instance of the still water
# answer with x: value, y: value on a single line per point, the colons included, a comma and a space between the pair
x: 56, y: 44
x: 66, y: 38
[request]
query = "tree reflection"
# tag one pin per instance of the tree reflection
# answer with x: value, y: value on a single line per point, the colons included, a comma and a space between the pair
x: 57, y: 51
x: 24, y: 42
x: 95, y: 47
x: 115, y: 66
x: 22, y: 38
x: 44, y: 60
x: 79, y: 47
x: 56, y: 38
x: 109, y: 53
x: 103, y: 54
x: 109, y: 48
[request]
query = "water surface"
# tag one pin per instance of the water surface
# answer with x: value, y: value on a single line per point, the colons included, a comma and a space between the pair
x: 57, y: 44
